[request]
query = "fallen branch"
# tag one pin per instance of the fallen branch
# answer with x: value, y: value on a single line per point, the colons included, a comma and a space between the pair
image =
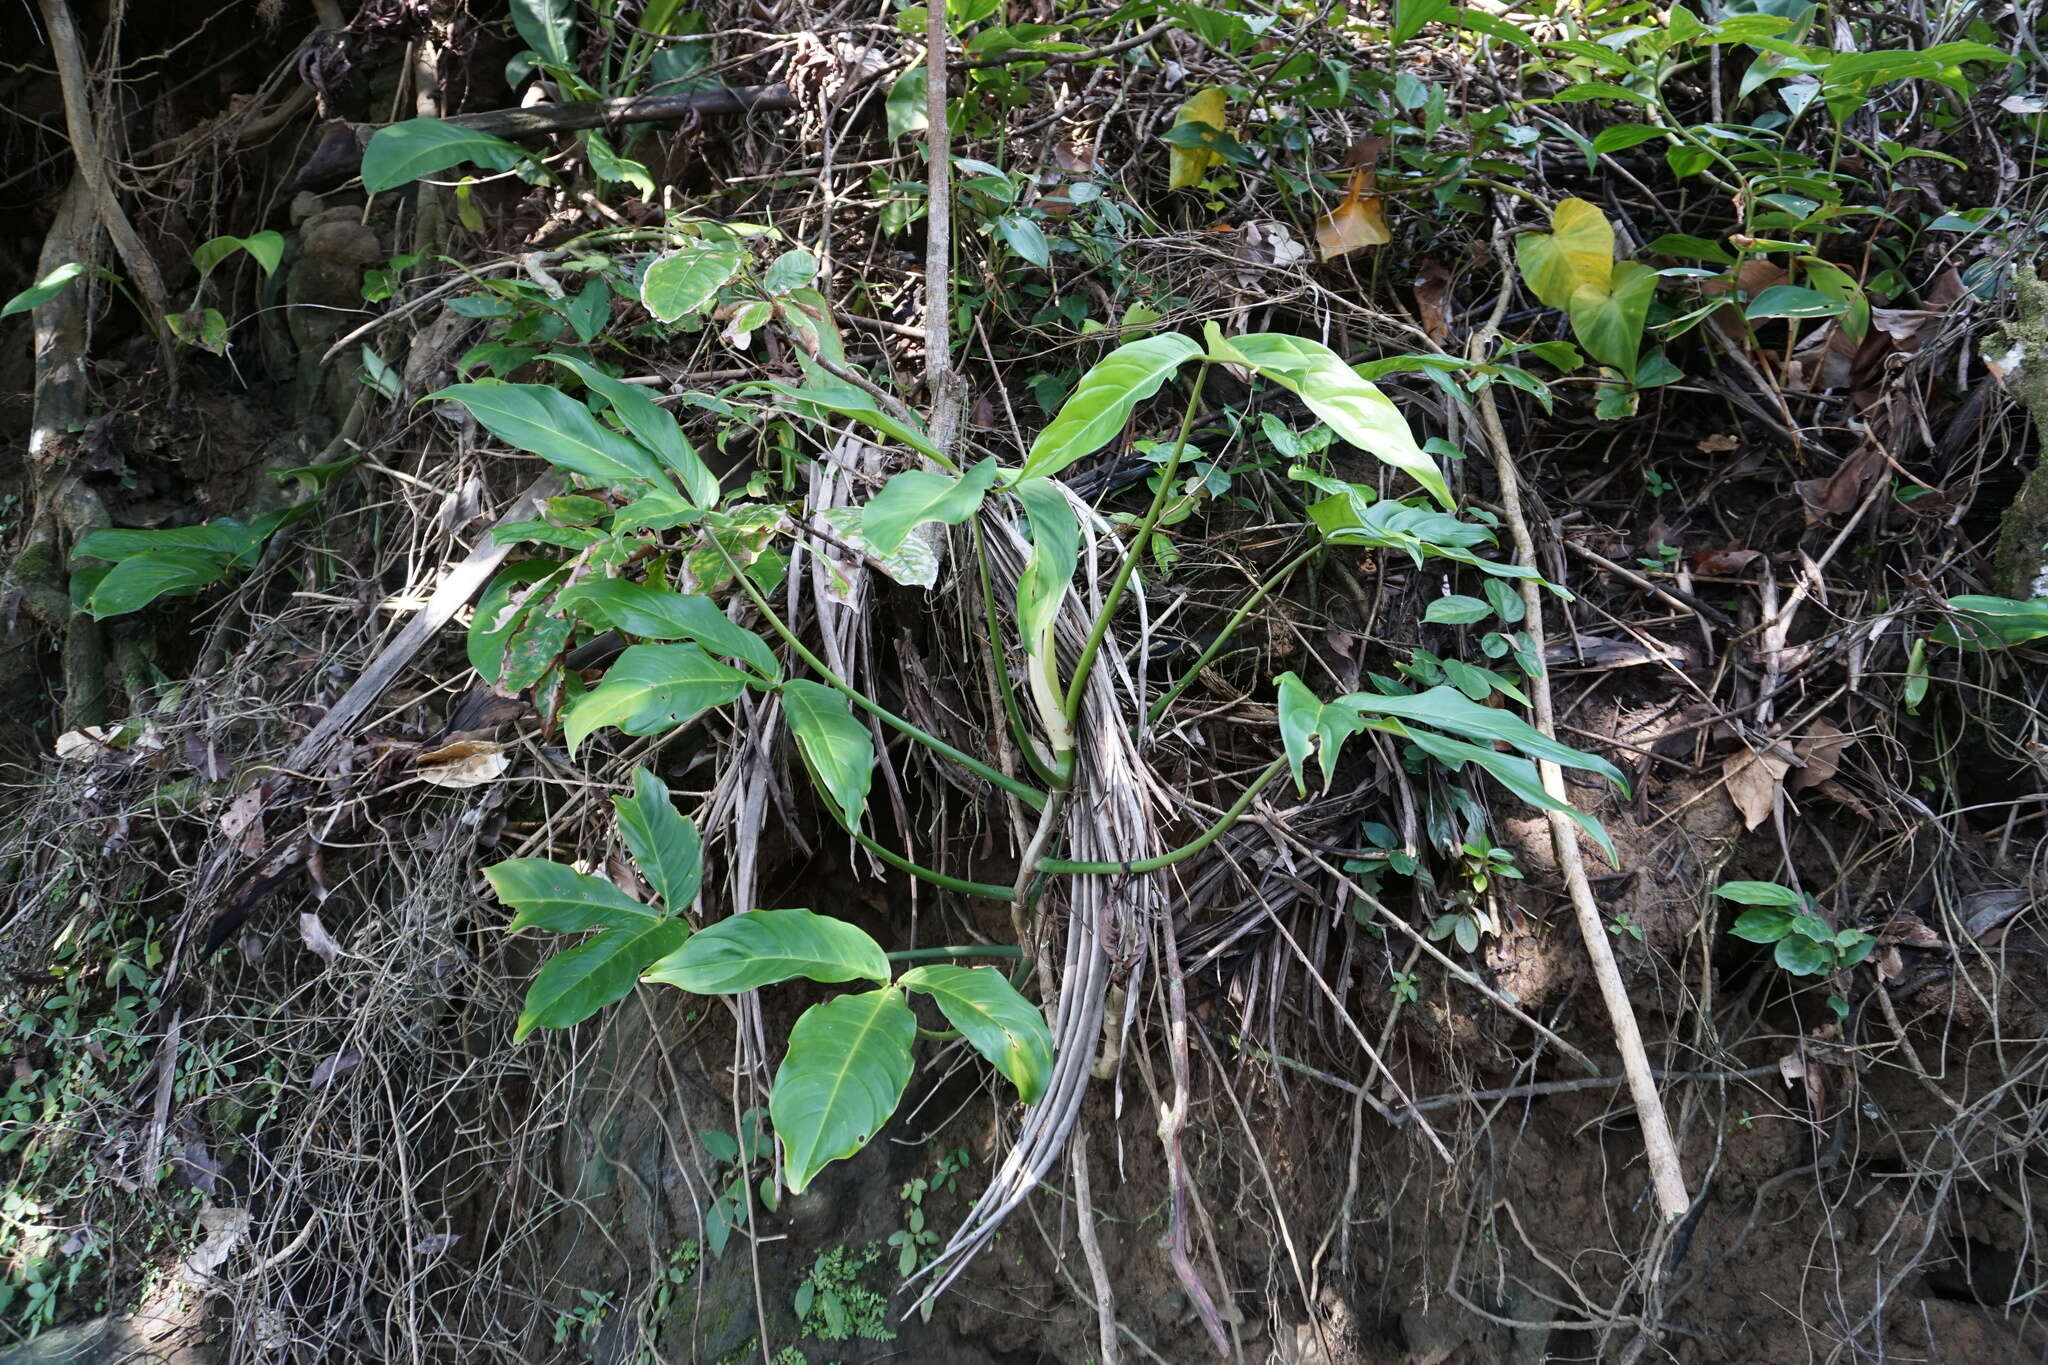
x: 340, y: 155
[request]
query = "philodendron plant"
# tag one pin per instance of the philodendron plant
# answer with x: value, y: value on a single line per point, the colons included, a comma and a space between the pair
x: 849, y: 1058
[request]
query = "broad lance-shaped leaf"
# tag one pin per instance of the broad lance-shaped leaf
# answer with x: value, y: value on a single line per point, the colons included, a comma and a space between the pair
x: 555, y: 427
x: 1001, y: 1024
x: 419, y: 147
x: 761, y: 947
x: 1448, y: 709
x: 651, y: 425
x: 664, y: 843
x: 578, y: 982
x: 848, y: 1062
x: 1055, y: 551
x: 650, y: 689
x: 911, y: 499
x: 655, y: 613
x: 1101, y: 404
x: 548, y: 895
x: 140, y: 579
x: 825, y: 395
x: 837, y: 747
x: 682, y: 282
x: 1354, y: 408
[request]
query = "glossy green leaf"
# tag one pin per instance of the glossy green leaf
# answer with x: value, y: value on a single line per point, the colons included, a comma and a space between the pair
x: 140, y: 579
x: 404, y: 152
x: 548, y: 27
x: 1352, y: 407
x: 1055, y: 551
x: 1759, y: 893
x: 843, y: 1076
x: 1983, y: 622
x: 555, y: 427
x: 1622, y: 136
x: 1791, y: 301
x: 1801, y: 956
x: 607, y: 165
x: 793, y: 269
x: 1025, y: 238
x: 837, y: 748
x: 265, y: 248
x: 664, y: 842
x: 1455, y: 610
x: 550, y: 895
x: 655, y: 613
x: 1307, y: 724
x: 47, y: 288
x: 1763, y: 924
x: 915, y: 497
x: 578, y: 982
x: 1609, y: 323
x: 1101, y: 405
x: 652, y: 688
x: 762, y: 947
x: 681, y: 284
x: 1001, y: 1024
x: 1449, y: 710
x: 651, y: 425
x: 906, y: 105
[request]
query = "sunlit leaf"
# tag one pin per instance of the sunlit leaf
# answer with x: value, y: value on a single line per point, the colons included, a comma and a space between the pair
x: 1187, y: 165
x: 404, y: 152
x: 680, y: 284
x: 651, y: 689
x: 762, y: 947
x: 555, y: 427
x: 1101, y: 405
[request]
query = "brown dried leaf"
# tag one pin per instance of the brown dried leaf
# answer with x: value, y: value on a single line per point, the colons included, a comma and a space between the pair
x: 1839, y: 492
x: 1433, y: 300
x: 1753, y: 781
x: 1820, y: 755
x: 1725, y: 563
x: 1359, y: 221
x: 317, y: 938
x: 241, y: 824
x: 465, y: 763
x: 1718, y: 444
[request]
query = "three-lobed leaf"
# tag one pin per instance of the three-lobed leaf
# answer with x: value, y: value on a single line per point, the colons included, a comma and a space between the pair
x: 1308, y: 725
x: 1000, y: 1024
x: 762, y: 947
x: 650, y: 689
x: 848, y: 1062
x: 836, y: 746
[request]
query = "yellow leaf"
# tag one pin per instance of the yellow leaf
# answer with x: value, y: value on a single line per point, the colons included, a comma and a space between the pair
x: 1578, y: 253
x: 1360, y: 221
x: 1187, y: 165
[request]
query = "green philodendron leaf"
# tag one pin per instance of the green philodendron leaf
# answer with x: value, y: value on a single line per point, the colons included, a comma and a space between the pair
x: 1762, y: 924
x: 1983, y: 622
x: 1609, y: 323
x: 1518, y: 775
x: 1455, y: 610
x: 578, y: 982
x: 1792, y: 301
x: 555, y: 427
x: 1307, y: 724
x: 651, y: 425
x: 1025, y: 238
x: 140, y: 579
x: 655, y: 613
x: 681, y: 283
x: 548, y: 27
x: 404, y: 152
x: 650, y: 689
x: 1055, y: 551
x: 1449, y: 710
x: 265, y: 248
x: 549, y: 895
x: 1352, y: 407
x: 1577, y: 253
x: 1759, y: 893
x: 914, y: 497
x: 49, y: 287
x: 837, y: 747
x: 763, y: 947
x: 664, y: 842
x: 1001, y: 1024
x: 793, y: 269
x: 607, y: 165
x: 1101, y: 404
x: 843, y: 1076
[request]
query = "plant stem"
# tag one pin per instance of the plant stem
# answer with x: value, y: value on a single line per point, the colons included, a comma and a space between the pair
x: 1185, y: 851
x: 1086, y: 663
x: 1018, y: 729
x: 958, y: 950
x: 1237, y: 619
x: 986, y: 890
x: 1028, y: 795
